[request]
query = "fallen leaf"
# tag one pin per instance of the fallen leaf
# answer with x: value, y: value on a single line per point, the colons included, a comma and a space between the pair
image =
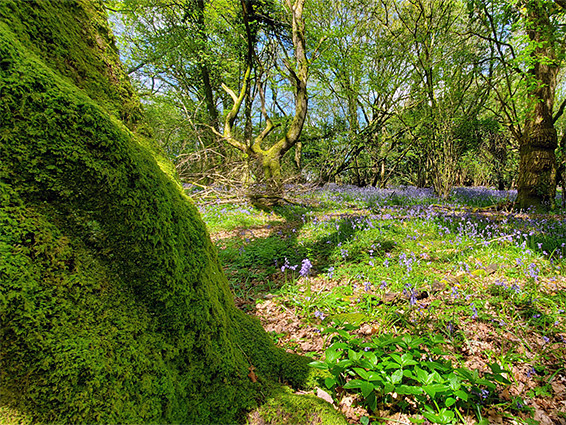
x: 558, y: 388
x: 324, y: 395
x: 252, y: 374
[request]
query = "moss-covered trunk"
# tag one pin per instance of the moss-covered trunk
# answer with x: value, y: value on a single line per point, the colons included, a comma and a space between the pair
x: 113, y: 307
x: 536, y: 183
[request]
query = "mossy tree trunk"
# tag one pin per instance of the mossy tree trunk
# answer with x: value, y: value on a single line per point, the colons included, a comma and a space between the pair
x: 537, y: 165
x: 113, y: 306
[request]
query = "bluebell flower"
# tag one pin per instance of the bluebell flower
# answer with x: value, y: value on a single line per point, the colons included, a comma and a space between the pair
x: 305, y: 268
x: 330, y: 272
x: 475, y: 315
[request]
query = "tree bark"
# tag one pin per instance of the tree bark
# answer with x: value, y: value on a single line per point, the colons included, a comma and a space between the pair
x: 537, y: 165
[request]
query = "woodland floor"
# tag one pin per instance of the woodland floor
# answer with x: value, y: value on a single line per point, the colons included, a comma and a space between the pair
x: 493, y: 298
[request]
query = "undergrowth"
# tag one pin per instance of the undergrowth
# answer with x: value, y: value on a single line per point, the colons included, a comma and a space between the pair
x: 473, y: 297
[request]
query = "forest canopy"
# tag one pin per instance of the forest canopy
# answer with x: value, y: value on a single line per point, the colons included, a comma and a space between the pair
x: 428, y: 93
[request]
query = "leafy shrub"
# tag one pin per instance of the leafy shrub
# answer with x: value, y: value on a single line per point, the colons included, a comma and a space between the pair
x: 401, y: 371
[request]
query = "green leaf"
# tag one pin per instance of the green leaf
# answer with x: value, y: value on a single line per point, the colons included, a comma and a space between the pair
x: 367, y: 388
x: 329, y: 382
x: 361, y: 372
x: 364, y: 420
x: 319, y: 365
x: 461, y: 394
x: 371, y: 401
x: 423, y: 376
x: 407, y: 389
x: 397, y: 376
x: 388, y: 388
x: 407, y: 360
x: 332, y: 356
x: 501, y: 379
x: 455, y: 383
x: 445, y: 416
x: 352, y: 355
x: 354, y: 383
x: 449, y: 401
x: 408, y: 373
x: 431, y: 417
x: 496, y: 368
x: 371, y: 356
x: 396, y: 358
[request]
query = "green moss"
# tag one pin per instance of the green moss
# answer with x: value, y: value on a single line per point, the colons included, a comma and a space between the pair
x: 113, y: 307
x: 286, y: 408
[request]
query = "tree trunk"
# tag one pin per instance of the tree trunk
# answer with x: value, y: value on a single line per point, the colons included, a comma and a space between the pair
x: 537, y: 169
x: 113, y: 306
x: 537, y: 164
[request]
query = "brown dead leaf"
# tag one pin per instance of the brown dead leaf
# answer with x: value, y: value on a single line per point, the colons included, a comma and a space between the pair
x: 558, y: 388
x: 252, y: 374
x: 542, y: 417
x: 495, y: 418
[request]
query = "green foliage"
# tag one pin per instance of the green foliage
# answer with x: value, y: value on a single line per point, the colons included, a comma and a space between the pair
x: 417, y: 369
x: 289, y: 408
x: 113, y: 306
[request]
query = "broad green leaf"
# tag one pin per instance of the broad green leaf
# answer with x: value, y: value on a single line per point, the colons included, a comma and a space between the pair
x: 388, y: 388
x: 332, y: 356
x: 354, y: 383
x: 396, y: 358
x: 450, y: 401
x: 455, y: 383
x: 445, y: 416
x: 370, y: 355
x: 367, y: 388
x: 408, y: 373
x: 461, y: 394
x: 407, y: 389
x: 397, y: 376
x: 375, y: 376
x: 433, y: 417
x: 319, y: 365
x: 407, y: 360
x: 423, y: 376
x: 329, y: 382
x: 496, y: 368
x: 363, y: 373
x: 371, y: 401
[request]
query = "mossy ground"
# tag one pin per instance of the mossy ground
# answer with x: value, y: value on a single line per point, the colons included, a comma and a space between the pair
x: 113, y: 306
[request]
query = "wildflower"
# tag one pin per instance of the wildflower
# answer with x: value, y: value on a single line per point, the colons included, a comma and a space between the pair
x: 305, y: 268
x: 545, y: 339
x: 475, y: 315
x: 455, y: 292
x: 319, y: 314
x: 330, y: 272
x: 367, y: 286
x: 533, y: 271
x: 531, y: 372
x: 383, y: 284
